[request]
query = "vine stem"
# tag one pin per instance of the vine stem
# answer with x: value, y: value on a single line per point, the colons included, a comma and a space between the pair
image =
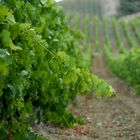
x: 40, y: 44
x: 11, y: 137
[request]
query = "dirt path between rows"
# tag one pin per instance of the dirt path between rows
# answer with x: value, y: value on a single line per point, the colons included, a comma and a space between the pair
x: 115, y: 118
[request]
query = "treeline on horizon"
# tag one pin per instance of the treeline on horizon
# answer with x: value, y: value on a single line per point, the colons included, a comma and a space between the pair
x: 94, y: 7
x: 84, y: 7
x: 128, y: 7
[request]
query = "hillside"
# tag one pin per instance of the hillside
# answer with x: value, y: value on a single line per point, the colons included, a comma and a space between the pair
x: 91, y: 7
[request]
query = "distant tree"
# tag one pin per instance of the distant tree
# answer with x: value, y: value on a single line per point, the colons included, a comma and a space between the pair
x: 129, y: 7
x: 85, y: 7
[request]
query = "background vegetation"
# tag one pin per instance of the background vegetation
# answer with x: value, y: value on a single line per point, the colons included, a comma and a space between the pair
x: 129, y: 7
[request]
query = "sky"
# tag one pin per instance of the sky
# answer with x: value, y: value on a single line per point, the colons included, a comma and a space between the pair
x: 58, y: 0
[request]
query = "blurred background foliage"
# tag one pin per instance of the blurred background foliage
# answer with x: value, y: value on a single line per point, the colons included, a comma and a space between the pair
x: 129, y: 7
x: 101, y: 8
